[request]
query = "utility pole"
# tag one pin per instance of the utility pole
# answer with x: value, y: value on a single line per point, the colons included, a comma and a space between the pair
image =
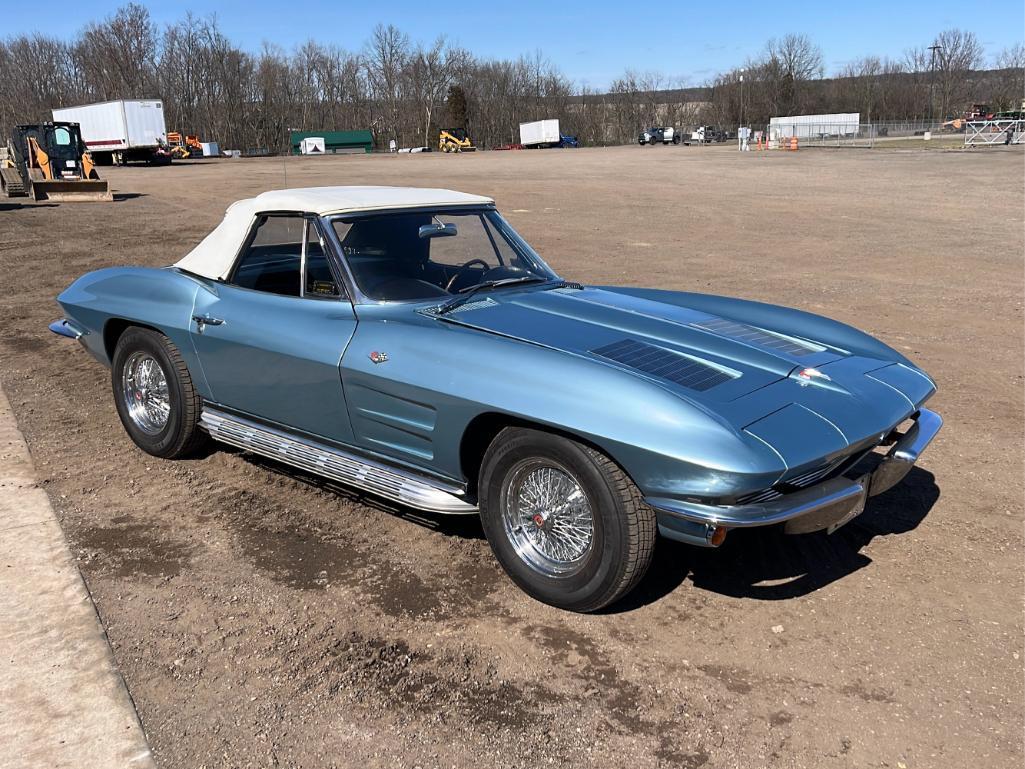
x: 932, y: 78
x: 741, y: 130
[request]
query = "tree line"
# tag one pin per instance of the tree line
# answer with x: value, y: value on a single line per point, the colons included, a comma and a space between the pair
x: 406, y: 90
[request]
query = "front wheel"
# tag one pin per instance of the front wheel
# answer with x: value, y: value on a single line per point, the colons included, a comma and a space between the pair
x: 564, y: 521
x: 154, y: 396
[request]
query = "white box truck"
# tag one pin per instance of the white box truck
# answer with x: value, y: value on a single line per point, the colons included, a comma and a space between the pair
x: 121, y: 131
x: 540, y: 133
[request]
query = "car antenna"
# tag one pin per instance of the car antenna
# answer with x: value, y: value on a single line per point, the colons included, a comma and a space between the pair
x: 284, y: 160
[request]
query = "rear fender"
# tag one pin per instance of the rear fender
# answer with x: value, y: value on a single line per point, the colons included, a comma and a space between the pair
x: 106, y: 300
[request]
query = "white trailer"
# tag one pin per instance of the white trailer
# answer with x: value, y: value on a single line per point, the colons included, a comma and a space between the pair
x: 314, y: 145
x: 121, y: 131
x: 814, y: 126
x: 540, y: 133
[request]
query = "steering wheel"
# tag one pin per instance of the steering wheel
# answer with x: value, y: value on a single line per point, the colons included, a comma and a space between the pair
x: 462, y: 269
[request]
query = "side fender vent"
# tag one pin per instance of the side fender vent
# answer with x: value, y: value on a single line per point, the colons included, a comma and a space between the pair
x: 664, y: 364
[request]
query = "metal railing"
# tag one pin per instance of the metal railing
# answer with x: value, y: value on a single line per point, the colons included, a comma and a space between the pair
x: 990, y: 133
x: 975, y: 133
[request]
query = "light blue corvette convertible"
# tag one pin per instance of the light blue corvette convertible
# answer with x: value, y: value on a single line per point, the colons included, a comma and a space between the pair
x: 409, y: 343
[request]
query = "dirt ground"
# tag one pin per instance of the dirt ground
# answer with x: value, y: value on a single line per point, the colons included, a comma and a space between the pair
x: 262, y: 619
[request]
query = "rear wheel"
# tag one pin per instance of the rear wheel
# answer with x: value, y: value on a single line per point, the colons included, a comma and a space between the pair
x: 154, y: 395
x: 565, y: 522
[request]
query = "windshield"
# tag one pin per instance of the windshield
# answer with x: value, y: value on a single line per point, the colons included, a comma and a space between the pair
x: 420, y: 255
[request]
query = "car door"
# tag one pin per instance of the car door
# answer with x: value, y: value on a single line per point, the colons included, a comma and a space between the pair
x: 271, y: 337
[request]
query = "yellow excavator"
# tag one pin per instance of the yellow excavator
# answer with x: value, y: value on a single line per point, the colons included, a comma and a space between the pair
x: 455, y: 140
x: 49, y: 161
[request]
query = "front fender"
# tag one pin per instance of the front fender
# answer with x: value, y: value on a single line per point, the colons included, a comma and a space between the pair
x: 439, y: 377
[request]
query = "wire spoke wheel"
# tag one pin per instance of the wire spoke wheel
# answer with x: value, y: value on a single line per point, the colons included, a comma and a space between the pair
x: 146, y: 395
x: 547, y: 517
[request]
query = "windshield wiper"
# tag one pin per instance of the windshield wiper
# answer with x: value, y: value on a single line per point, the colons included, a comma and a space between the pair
x: 466, y: 294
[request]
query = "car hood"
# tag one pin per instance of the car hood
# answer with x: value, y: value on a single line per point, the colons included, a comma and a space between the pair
x: 746, y: 375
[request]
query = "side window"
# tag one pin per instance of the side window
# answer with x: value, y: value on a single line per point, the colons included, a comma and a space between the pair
x: 273, y: 260
x: 319, y: 280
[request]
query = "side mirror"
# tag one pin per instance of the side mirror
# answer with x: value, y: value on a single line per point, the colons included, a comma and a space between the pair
x: 438, y: 230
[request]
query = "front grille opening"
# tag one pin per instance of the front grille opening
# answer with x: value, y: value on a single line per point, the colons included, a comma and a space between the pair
x: 808, y: 478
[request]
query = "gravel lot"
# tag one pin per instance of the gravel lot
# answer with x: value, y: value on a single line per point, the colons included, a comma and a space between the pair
x: 263, y: 619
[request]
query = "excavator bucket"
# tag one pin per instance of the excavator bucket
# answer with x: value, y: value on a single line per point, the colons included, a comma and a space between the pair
x: 71, y: 190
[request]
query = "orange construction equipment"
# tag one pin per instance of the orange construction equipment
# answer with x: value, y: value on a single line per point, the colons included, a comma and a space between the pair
x: 49, y: 161
x: 793, y: 144
x: 184, y: 146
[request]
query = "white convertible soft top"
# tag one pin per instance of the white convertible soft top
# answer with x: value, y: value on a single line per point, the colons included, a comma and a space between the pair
x: 214, y: 255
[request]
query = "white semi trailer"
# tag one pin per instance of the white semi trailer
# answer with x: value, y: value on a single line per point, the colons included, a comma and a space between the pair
x: 540, y: 133
x: 121, y: 131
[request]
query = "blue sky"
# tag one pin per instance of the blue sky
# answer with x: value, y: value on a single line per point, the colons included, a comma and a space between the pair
x: 592, y: 41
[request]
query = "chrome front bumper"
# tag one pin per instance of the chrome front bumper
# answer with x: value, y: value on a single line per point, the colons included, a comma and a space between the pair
x: 827, y: 505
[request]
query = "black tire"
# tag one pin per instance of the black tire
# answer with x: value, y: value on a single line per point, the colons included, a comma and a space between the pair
x: 624, y: 528
x: 676, y: 139
x: 180, y: 436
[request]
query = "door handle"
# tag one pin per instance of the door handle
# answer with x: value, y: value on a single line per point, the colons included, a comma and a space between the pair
x: 202, y: 321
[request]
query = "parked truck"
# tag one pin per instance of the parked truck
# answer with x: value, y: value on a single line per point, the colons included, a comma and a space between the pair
x: 121, y: 131
x: 659, y: 135
x: 545, y: 133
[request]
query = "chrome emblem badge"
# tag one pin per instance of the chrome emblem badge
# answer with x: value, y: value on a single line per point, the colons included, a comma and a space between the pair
x: 807, y: 374
x: 378, y: 357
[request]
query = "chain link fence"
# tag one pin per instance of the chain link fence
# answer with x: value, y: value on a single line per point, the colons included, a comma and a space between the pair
x: 847, y: 134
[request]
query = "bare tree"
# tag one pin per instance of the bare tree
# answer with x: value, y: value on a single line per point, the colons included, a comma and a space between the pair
x: 958, y: 54
x: 117, y: 56
x: 787, y: 66
x: 386, y: 58
x: 858, y: 87
x: 430, y: 71
x: 1009, y: 90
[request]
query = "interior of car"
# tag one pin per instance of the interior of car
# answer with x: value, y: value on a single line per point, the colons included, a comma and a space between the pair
x: 393, y: 257
x: 273, y: 260
x: 417, y: 255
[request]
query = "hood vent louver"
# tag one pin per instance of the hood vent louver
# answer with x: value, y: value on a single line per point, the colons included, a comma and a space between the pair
x: 752, y: 335
x: 664, y: 364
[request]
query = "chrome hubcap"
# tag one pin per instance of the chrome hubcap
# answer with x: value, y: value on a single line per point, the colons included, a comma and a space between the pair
x: 146, y: 397
x: 547, y: 517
